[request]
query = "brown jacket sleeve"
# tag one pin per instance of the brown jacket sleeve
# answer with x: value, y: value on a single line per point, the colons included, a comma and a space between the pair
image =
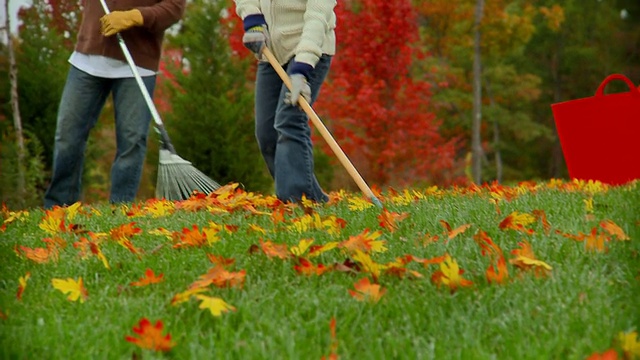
x: 161, y: 15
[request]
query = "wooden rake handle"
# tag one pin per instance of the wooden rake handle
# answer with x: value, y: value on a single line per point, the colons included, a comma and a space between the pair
x: 323, y: 130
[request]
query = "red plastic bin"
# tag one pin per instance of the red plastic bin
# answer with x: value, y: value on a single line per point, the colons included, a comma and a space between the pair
x: 600, y: 135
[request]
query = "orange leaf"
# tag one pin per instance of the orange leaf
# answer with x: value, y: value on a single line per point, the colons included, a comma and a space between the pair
x: 595, y: 241
x: 40, y: 255
x: 191, y: 237
x: 150, y: 336
x: 148, y: 278
x: 610, y: 354
x: 22, y: 281
x: 124, y: 232
x: 365, y: 242
x: 455, y: 232
x: 306, y: 267
x: 542, y: 216
x: 274, y: 250
x: 389, y: 220
x: 614, y: 230
x: 220, y: 260
x: 365, y: 290
x: 220, y: 277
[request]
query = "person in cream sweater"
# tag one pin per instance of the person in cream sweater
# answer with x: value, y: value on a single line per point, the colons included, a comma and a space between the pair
x: 301, y: 35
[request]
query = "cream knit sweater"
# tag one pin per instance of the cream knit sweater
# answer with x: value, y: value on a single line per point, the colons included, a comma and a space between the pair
x: 300, y: 28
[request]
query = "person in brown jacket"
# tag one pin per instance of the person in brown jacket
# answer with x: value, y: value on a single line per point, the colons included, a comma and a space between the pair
x: 98, y: 69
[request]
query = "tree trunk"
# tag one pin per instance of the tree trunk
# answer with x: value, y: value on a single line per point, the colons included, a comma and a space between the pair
x: 15, y: 108
x: 476, y: 145
x: 496, y: 136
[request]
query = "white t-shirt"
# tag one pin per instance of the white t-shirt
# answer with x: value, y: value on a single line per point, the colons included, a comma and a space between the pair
x: 102, y: 66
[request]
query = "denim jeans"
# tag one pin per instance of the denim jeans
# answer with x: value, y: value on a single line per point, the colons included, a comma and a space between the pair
x: 284, y: 135
x: 82, y: 101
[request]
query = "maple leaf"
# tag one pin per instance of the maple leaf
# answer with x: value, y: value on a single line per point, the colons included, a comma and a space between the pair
x: 39, y: 255
x: 186, y: 295
x: 333, y: 350
x: 215, y: 305
x: 365, y: 242
x: 610, y: 354
x: 542, y: 217
x: 191, y: 237
x: 595, y: 241
x: 517, y: 221
x: 428, y: 239
x: 366, y: 291
x: 52, y: 225
x: 526, y: 260
x: 389, y: 220
x: 452, y: 233
x: 367, y: 264
x: 306, y: 267
x: 150, y: 336
x: 159, y: 208
x: 161, y: 232
x: 302, y: 247
x: 74, y: 288
x: 220, y: 277
x: 86, y: 246
x: 124, y: 232
x: 22, y: 284
x: 274, y: 250
x: 614, y: 230
x: 449, y: 275
x: 316, y: 250
x: 629, y: 344
x: 148, y: 278
x: 498, y: 272
x: 359, y: 203
x: 220, y: 260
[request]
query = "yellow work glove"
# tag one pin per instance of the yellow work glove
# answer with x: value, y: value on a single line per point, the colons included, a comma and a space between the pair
x: 118, y: 21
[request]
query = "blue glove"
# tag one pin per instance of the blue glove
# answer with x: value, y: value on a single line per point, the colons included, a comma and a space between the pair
x: 298, y: 73
x: 256, y: 34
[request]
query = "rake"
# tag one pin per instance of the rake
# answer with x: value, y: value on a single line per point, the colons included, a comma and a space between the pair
x: 177, y: 178
x: 355, y: 175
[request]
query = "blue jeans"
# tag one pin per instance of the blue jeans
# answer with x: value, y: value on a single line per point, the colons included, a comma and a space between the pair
x: 284, y: 134
x: 82, y: 101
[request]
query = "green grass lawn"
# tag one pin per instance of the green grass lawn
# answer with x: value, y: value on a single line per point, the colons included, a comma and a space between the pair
x: 579, y: 307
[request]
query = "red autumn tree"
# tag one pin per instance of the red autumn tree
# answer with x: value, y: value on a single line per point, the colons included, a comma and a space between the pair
x: 381, y: 116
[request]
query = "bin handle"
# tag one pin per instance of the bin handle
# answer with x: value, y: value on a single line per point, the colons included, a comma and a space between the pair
x: 632, y: 88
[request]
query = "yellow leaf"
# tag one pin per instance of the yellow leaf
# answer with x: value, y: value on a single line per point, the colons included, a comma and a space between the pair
x: 186, y: 295
x: 216, y: 305
x: 629, y: 344
x: 359, y: 203
x: 302, y: 247
x: 74, y: 288
x: 22, y: 284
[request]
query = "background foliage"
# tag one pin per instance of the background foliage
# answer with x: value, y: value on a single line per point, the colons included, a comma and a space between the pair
x: 398, y: 98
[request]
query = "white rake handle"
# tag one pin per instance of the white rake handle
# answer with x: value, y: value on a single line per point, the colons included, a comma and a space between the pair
x: 355, y: 175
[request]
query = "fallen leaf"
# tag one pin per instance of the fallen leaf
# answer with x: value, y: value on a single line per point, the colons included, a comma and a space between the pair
x: 148, y: 278
x: 150, y: 336
x: 22, y: 284
x: 366, y: 291
x: 74, y: 288
x: 215, y: 305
